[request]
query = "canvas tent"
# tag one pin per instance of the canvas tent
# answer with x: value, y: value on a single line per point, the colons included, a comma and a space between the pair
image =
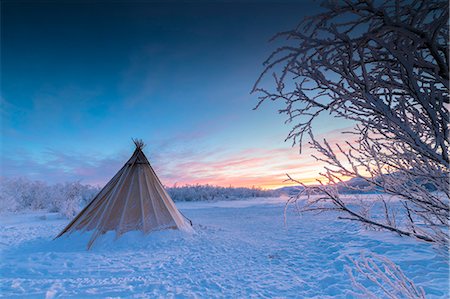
x: 134, y: 199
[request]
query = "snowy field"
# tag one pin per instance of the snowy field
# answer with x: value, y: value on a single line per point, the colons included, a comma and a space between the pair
x: 241, y: 249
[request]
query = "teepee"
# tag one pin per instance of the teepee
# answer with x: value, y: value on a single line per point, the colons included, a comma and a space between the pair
x: 134, y: 199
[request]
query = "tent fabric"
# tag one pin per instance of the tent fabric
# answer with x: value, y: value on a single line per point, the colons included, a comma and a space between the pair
x: 134, y: 199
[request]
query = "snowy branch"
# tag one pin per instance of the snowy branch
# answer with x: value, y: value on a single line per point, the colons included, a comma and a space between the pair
x: 384, y: 67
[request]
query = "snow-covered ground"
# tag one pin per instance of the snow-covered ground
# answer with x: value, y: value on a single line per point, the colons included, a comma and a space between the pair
x: 241, y: 249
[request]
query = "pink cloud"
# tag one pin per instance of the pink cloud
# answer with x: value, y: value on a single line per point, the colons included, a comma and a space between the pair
x: 265, y: 168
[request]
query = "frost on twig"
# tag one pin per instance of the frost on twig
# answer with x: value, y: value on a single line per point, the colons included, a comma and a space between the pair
x: 373, y: 269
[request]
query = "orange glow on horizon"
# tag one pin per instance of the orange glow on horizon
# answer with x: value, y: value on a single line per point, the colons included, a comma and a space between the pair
x: 264, y: 168
x: 255, y: 167
x: 263, y: 183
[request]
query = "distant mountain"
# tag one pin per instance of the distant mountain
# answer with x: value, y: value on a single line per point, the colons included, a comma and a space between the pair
x: 289, y: 190
x: 357, y: 186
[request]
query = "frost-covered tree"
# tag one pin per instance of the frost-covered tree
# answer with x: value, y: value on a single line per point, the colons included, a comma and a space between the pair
x: 384, y: 66
x: 209, y: 192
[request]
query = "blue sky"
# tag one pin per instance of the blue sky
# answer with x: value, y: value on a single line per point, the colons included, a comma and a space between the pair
x: 80, y: 79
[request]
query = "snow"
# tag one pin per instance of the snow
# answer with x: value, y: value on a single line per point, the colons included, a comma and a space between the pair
x: 240, y: 249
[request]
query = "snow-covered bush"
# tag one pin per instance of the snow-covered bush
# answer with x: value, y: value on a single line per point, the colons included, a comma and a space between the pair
x: 69, y: 198
x: 18, y: 194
